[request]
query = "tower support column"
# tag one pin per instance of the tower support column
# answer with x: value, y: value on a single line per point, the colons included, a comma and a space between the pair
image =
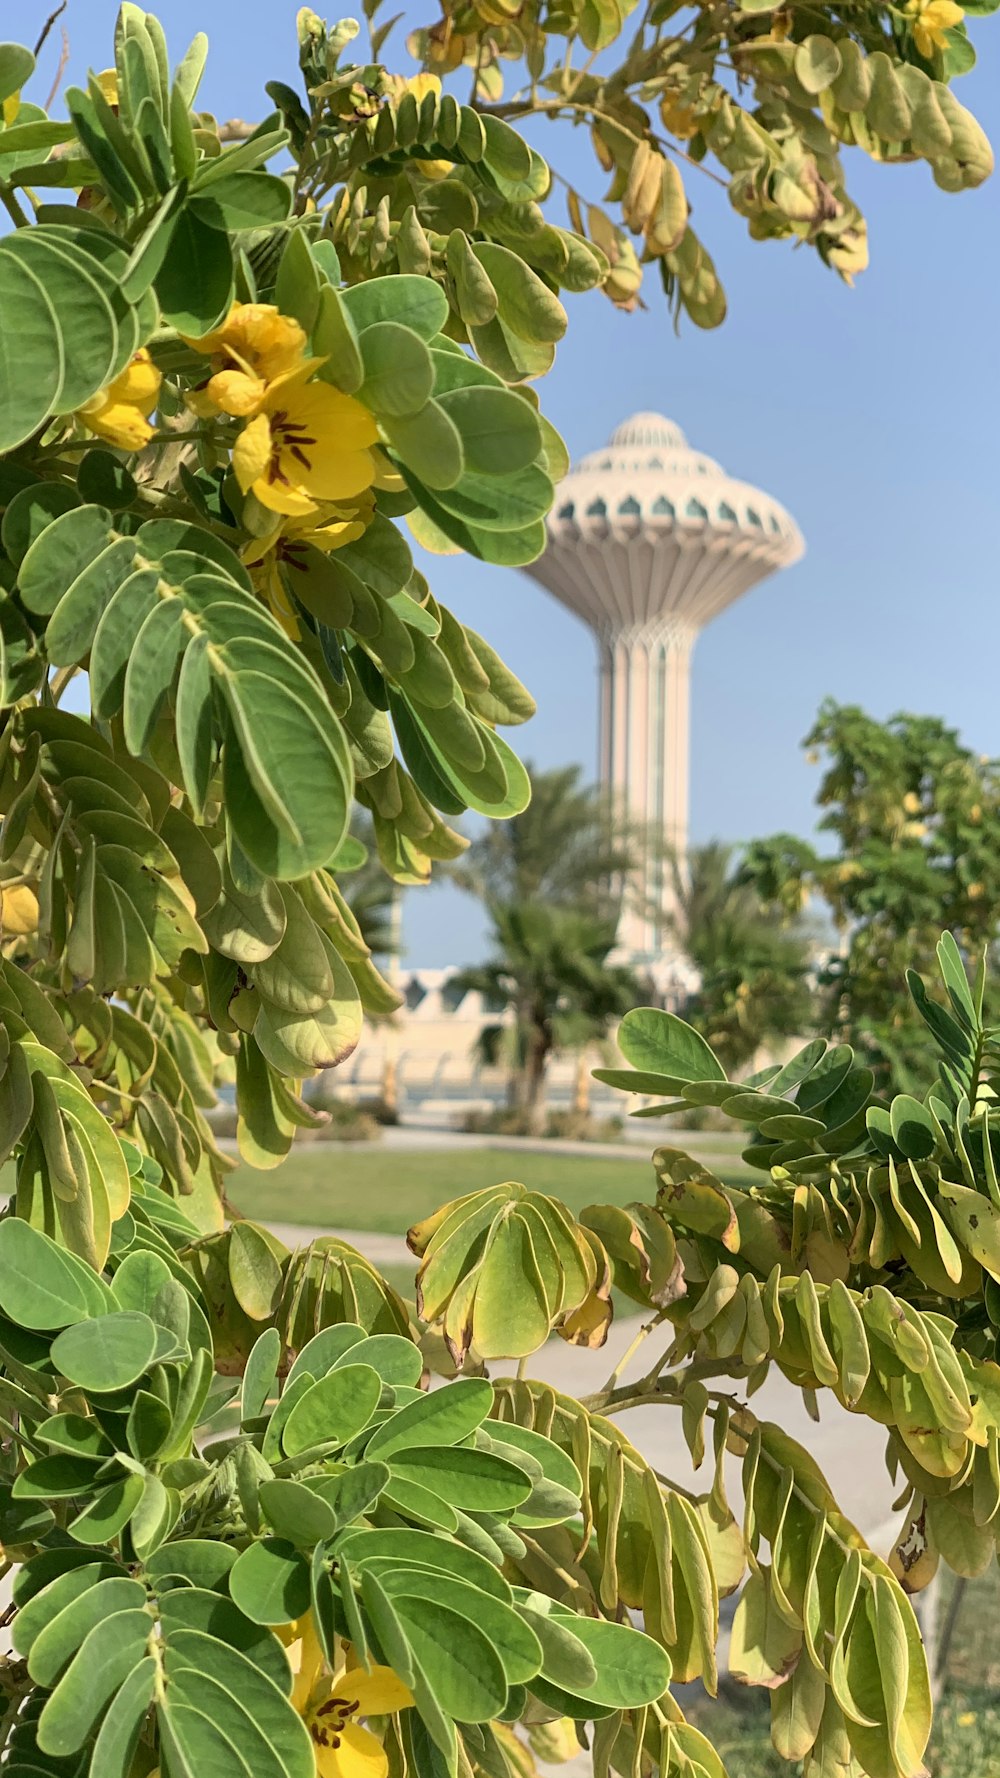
x: 644, y: 751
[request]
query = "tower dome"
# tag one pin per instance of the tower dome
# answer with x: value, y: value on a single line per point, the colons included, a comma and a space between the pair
x: 648, y: 540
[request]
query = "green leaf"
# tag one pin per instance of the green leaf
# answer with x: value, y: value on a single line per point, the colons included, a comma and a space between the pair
x: 658, y: 1041
x: 400, y: 1545
x: 53, y: 1647
x: 203, y: 1562
x: 111, y: 1651
x: 118, y: 1738
x: 500, y: 502
x: 499, y: 431
x: 107, y: 1354
x: 32, y: 359
x: 912, y: 1127
x: 526, y: 305
x: 404, y: 298
x: 238, y: 200
x: 105, y: 481
x: 109, y: 1512
x: 209, y: 1683
x: 59, y: 1477
x: 436, y: 528
x: 214, y: 1614
x: 298, y: 284
x: 254, y: 1271
x: 398, y: 369
x: 270, y: 1582
x: 287, y: 826
x: 431, y: 439
x: 260, y: 1374
x: 74, y: 288
x: 476, y: 1481
x: 62, y: 541
x: 335, y: 339
x: 632, y: 1669
x: 327, y: 1348
x: 297, y: 1513
x: 334, y: 1410
x: 147, y: 256
x: 443, y: 1418
x: 17, y: 64
x: 511, y: 1636
x: 455, y: 1657
x: 41, y: 1285
x: 194, y: 285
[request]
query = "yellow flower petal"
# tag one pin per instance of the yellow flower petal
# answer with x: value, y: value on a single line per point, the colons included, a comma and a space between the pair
x: 119, y: 412
x: 252, y: 452
x: 378, y: 1693
x: 422, y: 84
x: 334, y: 475
x: 337, y: 420
x: 257, y: 338
x: 139, y: 383
x: 107, y: 80
x: 234, y: 392
x: 11, y: 107
x: 119, y: 424
x: 359, y: 1755
x: 18, y: 911
x: 277, y: 497
x: 309, y: 1664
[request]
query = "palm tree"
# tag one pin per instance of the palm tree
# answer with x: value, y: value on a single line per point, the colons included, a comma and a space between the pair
x: 551, y: 880
x: 753, y: 961
x: 568, y: 848
x: 551, y: 966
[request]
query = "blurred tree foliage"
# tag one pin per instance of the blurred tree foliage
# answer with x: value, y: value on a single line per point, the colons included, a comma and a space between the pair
x: 916, y: 847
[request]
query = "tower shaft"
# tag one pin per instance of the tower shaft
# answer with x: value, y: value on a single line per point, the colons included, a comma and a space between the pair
x: 648, y: 541
x: 644, y: 747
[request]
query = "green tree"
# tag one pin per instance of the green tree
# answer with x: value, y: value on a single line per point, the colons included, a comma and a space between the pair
x: 237, y: 1524
x: 752, y: 960
x: 761, y: 99
x: 551, y: 880
x: 568, y: 848
x: 552, y: 969
x: 913, y: 818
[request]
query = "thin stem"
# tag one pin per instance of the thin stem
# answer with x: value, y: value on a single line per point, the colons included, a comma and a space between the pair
x: 84, y: 444
x: 59, y: 683
x: 522, y: 1369
x: 13, y: 208
x: 948, y: 1629
x: 626, y: 1358
x: 552, y: 108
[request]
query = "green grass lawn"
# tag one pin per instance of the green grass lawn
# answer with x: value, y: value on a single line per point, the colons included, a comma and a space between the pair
x: 383, y: 1190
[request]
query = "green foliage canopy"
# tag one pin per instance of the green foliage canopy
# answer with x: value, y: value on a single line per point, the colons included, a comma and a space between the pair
x: 913, y: 816
x: 238, y: 1523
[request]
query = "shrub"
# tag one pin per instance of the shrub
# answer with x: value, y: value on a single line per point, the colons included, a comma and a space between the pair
x: 238, y: 1524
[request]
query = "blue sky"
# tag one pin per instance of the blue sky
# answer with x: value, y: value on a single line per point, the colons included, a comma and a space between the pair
x: 873, y: 414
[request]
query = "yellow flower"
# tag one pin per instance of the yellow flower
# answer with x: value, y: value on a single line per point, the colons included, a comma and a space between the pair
x: 10, y: 108
x: 327, y: 529
x: 332, y: 1706
x: 120, y: 413
x: 18, y: 911
x: 309, y: 443
x: 931, y: 21
x: 107, y: 80
x: 254, y: 347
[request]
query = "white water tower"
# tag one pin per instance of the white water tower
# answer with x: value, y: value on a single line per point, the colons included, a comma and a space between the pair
x: 648, y: 541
